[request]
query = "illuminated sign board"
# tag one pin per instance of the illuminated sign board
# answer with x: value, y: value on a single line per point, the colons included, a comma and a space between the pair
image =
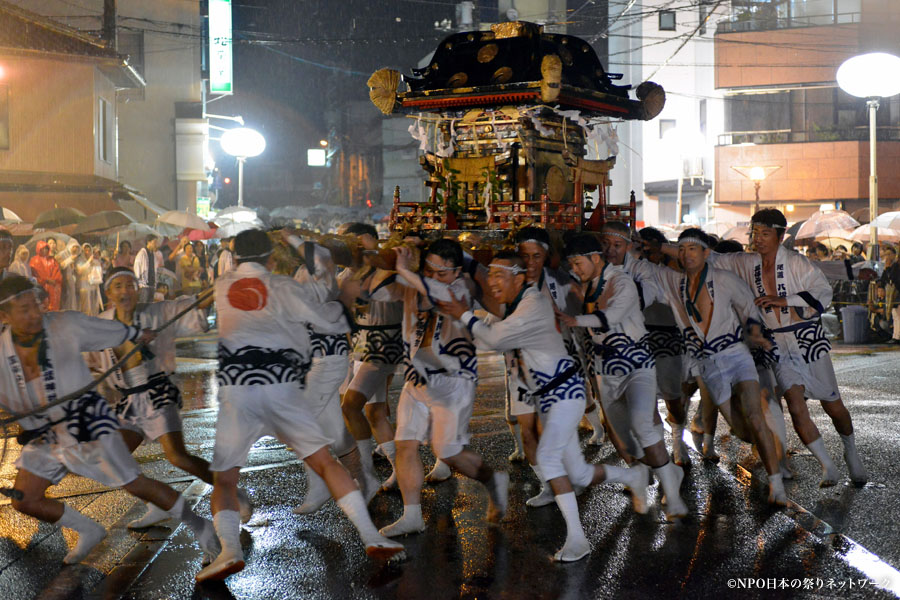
x: 315, y: 157
x: 220, y: 59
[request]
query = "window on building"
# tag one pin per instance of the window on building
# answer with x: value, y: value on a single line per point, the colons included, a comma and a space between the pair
x: 667, y: 20
x: 4, y: 116
x: 105, y: 130
x: 665, y: 125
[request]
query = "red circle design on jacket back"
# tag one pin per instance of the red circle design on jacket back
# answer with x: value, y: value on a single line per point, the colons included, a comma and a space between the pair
x: 248, y: 293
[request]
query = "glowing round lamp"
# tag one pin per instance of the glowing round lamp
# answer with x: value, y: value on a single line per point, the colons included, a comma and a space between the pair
x: 243, y: 142
x: 874, y: 75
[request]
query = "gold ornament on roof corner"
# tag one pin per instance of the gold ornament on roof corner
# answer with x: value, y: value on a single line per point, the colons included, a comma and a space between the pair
x: 551, y: 72
x: 383, y: 86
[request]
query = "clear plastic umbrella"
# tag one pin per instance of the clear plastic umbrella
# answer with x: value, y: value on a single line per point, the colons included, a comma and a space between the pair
x: 184, y: 220
x: 825, y: 221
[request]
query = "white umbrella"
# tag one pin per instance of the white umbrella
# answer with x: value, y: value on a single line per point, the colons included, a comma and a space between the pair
x: 739, y: 233
x: 183, y: 219
x: 290, y: 212
x: 131, y: 232
x: 232, y: 229
x: 861, y: 234
x: 891, y: 220
x: 825, y: 221
x: 8, y: 215
x: 235, y: 214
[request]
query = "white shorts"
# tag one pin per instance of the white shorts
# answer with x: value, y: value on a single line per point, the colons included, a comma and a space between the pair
x: 322, y: 398
x: 817, y: 377
x: 370, y: 380
x: 106, y: 460
x: 669, y: 374
x: 723, y: 370
x: 689, y: 369
x: 444, y: 406
x: 629, y: 402
x: 556, y: 454
x: 249, y: 412
x: 148, y: 421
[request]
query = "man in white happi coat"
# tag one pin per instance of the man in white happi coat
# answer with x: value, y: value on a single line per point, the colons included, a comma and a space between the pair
x: 716, y: 313
x: 264, y: 355
x: 663, y: 339
x: 43, y: 363
x: 547, y: 376
x: 378, y: 352
x: 145, y: 399
x: 330, y: 364
x: 625, y: 366
x: 533, y: 245
x: 438, y: 395
x: 792, y: 294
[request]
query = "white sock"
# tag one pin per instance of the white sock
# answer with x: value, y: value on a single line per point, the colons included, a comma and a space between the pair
x: 858, y: 472
x: 545, y: 495
x: 228, y: 528
x: 390, y: 451
x: 830, y: 472
x: 202, y: 529
x: 365, y: 456
x: 153, y: 516
x: 317, y: 493
x: 577, y: 545
x: 354, y: 507
x: 409, y: 522
x: 90, y: 533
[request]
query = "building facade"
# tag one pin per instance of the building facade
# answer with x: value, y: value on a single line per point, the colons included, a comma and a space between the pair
x: 776, y: 64
x: 58, y: 116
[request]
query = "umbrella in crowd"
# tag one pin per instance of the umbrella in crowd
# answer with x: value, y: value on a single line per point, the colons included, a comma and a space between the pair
x: 8, y: 215
x: 739, y: 233
x: 290, y: 212
x: 891, y: 220
x: 17, y: 228
x: 183, y: 220
x: 236, y: 214
x: 826, y: 221
x: 862, y: 233
x: 232, y: 229
x: 195, y: 234
x: 129, y: 233
x: 61, y: 239
x: 102, y: 221
x: 58, y: 217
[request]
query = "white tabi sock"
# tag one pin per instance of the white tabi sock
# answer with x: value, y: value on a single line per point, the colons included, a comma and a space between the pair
x: 202, y: 528
x: 543, y: 497
x: 90, y: 533
x: 577, y: 545
x: 829, y: 470
x: 679, y: 448
x: 670, y: 477
x: 858, y: 474
x: 409, y: 522
x: 439, y: 472
x: 227, y: 524
x: 775, y: 420
x: 317, y: 493
x: 376, y: 544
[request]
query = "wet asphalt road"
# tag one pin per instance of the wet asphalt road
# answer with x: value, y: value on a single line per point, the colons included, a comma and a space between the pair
x: 836, y: 543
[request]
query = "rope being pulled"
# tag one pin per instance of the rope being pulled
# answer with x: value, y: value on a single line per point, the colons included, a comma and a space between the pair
x: 4, y: 422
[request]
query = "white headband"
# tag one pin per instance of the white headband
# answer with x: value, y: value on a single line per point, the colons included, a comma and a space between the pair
x: 543, y: 245
x: 692, y: 240
x: 618, y: 235
x: 514, y: 269
x: 252, y: 256
x: 439, y: 267
x: 116, y: 276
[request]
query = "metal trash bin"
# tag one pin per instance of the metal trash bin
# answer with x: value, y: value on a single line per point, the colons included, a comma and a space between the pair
x: 856, y: 324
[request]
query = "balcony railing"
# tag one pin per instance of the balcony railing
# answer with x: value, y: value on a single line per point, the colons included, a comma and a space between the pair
x: 786, y: 136
x: 756, y: 22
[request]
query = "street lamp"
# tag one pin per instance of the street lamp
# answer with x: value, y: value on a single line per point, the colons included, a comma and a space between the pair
x: 757, y: 175
x: 242, y: 143
x: 872, y: 76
